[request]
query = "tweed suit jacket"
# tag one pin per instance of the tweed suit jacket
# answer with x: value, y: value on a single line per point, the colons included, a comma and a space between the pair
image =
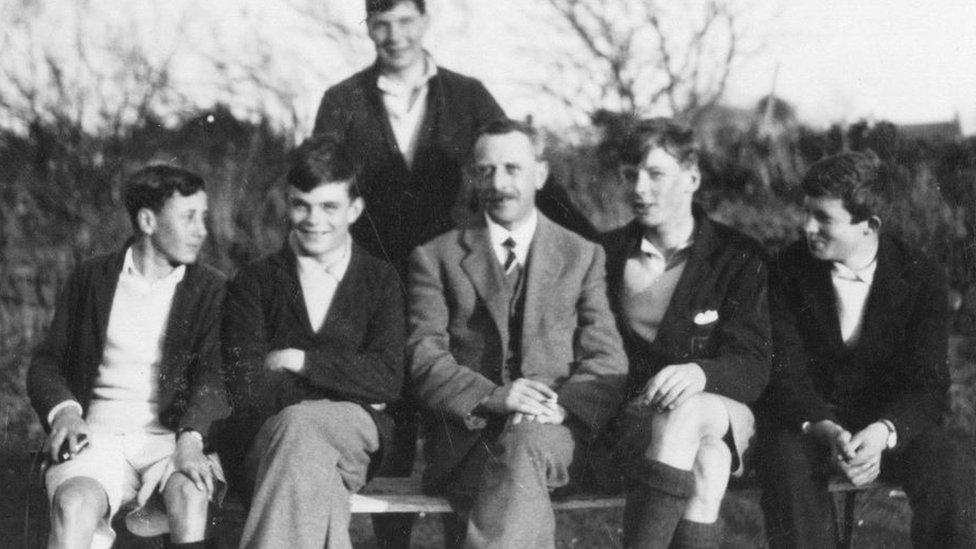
x: 191, y: 388
x: 458, y: 332
x: 896, y: 371
x: 725, y: 273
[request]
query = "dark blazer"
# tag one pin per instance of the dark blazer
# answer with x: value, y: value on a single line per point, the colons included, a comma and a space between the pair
x: 191, y: 388
x: 406, y: 206
x: 459, y: 333
x: 896, y: 371
x: 356, y: 356
x: 726, y: 273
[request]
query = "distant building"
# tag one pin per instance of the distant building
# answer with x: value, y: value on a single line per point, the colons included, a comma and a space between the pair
x: 933, y: 132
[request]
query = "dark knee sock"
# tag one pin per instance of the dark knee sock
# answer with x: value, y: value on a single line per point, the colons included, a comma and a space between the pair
x: 655, y: 505
x: 696, y: 535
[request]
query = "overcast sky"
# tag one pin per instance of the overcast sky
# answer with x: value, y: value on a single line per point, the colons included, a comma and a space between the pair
x: 839, y: 60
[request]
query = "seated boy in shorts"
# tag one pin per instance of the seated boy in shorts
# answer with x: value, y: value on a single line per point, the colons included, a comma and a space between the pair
x: 127, y: 382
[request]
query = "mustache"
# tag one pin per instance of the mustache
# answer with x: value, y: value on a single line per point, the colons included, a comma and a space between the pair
x: 492, y: 195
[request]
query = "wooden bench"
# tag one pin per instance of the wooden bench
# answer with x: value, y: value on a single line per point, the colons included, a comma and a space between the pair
x: 404, y: 495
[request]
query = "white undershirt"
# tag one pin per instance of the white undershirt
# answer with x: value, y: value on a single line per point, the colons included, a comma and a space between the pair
x: 851, y: 288
x: 406, y: 105
x: 522, y: 235
x: 320, y: 279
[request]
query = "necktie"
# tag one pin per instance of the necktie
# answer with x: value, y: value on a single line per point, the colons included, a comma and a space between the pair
x: 510, y: 260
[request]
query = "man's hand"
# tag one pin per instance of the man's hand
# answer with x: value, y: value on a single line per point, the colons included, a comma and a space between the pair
x: 525, y: 396
x: 189, y: 460
x: 556, y: 416
x: 67, y: 425
x: 674, y: 385
x: 291, y: 360
x: 834, y: 437
x: 868, y: 445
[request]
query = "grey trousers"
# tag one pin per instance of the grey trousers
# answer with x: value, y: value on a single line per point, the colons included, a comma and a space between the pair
x: 304, y: 463
x: 507, y: 481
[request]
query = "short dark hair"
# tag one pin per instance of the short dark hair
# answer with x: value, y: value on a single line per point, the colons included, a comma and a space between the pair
x: 379, y: 6
x: 858, y: 179
x: 645, y: 135
x: 151, y: 186
x: 321, y: 160
x: 505, y: 126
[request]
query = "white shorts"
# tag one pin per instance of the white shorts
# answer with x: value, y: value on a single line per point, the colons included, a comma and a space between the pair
x: 130, y: 467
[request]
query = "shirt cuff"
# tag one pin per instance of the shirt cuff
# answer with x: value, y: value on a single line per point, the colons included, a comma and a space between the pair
x: 61, y: 406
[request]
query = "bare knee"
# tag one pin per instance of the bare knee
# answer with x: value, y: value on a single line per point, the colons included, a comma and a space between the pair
x: 701, y: 415
x: 79, y: 499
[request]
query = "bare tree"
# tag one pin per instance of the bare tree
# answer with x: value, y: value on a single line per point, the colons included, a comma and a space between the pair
x: 640, y: 56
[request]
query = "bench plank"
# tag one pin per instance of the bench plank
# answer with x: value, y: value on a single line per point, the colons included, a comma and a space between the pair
x: 404, y: 495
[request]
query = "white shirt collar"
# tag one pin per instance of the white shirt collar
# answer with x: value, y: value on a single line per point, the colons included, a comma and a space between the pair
x: 396, y: 87
x: 864, y: 274
x: 335, y: 265
x: 676, y: 256
x: 522, y: 235
x: 129, y: 269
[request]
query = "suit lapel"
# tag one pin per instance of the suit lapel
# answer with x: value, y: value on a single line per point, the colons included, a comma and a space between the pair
x: 481, y: 267
x: 383, y: 118
x: 542, y: 271
x: 349, y: 295
x: 103, y: 294
x: 818, y: 291
x: 677, y: 318
x: 888, y: 290
x: 432, y: 119
x: 288, y: 263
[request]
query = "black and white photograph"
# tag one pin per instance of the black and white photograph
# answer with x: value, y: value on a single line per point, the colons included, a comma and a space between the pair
x: 518, y: 274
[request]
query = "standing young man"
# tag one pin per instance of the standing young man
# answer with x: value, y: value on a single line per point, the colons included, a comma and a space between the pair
x: 512, y: 350
x: 313, y: 347
x: 859, y: 374
x: 690, y: 300
x: 411, y: 124
x: 128, y: 381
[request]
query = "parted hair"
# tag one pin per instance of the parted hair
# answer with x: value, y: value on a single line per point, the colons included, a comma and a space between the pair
x: 152, y: 185
x: 379, y: 6
x: 323, y: 159
x: 858, y: 179
x: 645, y: 135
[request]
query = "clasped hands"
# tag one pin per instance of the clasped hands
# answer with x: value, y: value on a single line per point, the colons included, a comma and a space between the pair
x: 286, y: 360
x: 857, y: 456
x: 527, y: 400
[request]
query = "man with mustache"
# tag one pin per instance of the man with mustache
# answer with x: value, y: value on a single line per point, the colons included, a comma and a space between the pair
x: 512, y: 350
x: 313, y: 345
x: 690, y: 299
x: 127, y: 382
x: 859, y: 371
